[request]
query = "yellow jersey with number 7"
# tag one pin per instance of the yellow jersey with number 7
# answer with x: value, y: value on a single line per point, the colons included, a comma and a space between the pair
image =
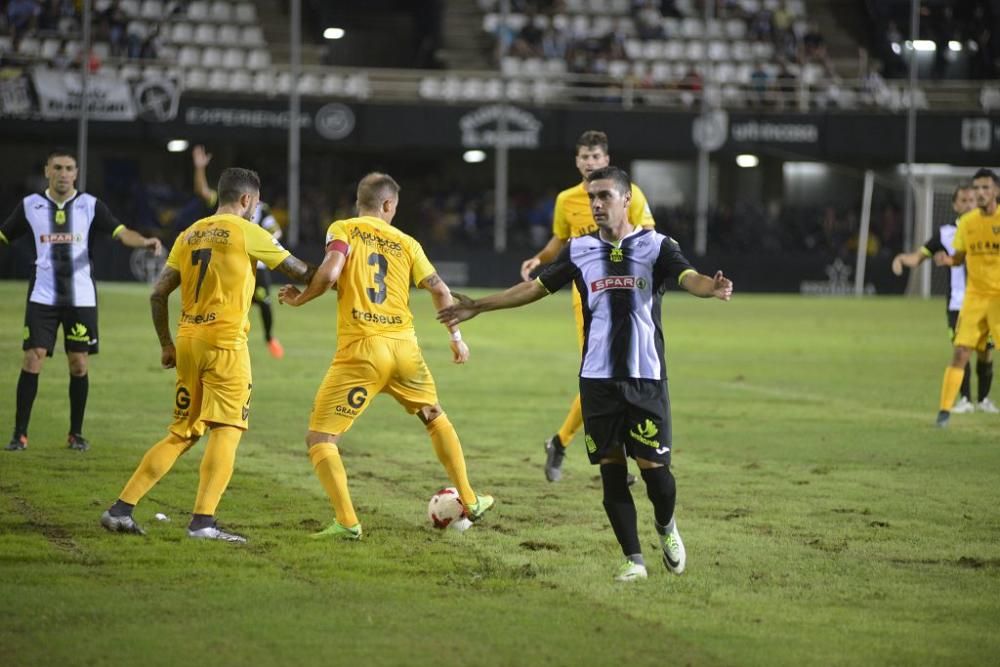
x: 373, y: 291
x: 217, y: 259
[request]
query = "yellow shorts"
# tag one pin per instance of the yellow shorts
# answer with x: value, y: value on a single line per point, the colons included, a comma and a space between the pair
x: 213, y: 385
x: 366, y: 367
x: 979, y: 318
x: 578, y: 316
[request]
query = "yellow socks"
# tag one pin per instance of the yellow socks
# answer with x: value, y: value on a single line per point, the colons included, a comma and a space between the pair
x: 154, y: 465
x: 216, y: 468
x: 325, y: 458
x: 950, y: 385
x: 574, y: 420
x: 449, y: 453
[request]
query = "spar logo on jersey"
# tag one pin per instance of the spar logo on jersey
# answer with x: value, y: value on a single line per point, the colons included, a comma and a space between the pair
x: 64, y: 238
x: 618, y: 282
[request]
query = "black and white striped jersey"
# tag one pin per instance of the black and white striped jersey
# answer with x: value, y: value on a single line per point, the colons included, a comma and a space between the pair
x: 944, y: 241
x: 621, y: 286
x: 62, y: 271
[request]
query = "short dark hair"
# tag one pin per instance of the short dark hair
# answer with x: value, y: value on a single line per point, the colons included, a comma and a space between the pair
x: 236, y: 181
x: 60, y: 152
x: 375, y: 188
x: 959, y: 188
x: 619, y: 176
x: 987, y: 173
x: 592, y: 139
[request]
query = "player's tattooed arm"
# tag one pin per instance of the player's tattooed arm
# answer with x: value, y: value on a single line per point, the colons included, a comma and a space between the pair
x: 320, y: 279
x: 169, y: 280
x: 296, y: 269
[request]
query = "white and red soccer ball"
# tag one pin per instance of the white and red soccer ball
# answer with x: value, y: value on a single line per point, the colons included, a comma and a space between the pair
x: 446, y: 509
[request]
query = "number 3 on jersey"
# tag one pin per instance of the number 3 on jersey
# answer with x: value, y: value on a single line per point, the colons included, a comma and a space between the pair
x: 378, y: 293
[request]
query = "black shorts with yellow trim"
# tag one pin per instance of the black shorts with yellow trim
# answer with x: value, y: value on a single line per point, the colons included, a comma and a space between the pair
x: 632, y: 413
x: 79, y: 325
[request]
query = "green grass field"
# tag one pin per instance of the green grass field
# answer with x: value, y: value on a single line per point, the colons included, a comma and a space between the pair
x: 827, y: 521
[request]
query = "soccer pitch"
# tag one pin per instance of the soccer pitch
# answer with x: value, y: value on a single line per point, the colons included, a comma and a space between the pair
x: 826, y: 520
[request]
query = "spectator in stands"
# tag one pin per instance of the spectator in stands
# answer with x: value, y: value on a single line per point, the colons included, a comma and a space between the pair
x: 22, y: 17
x: 786, y: 85
x: 149, y: 47
x: 760, y: 86
x: 554, y: 44
x: 114, y: 20
x: 648, y: 20
x: 813, y: 45
x: 58, y: 16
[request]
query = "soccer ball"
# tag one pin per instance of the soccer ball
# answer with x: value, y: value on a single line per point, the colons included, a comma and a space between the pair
x: 446, y: 509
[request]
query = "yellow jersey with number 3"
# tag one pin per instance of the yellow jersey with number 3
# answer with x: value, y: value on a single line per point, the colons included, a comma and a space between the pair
x: 373, y: 291
x: 217, y: 258
x: 978, y: 236
x: 572, y: 216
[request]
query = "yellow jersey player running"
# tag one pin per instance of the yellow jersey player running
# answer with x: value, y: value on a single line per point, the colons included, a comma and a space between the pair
x: 373, y: 264
x: 571, y: 219
x: 977, y: 245
x: 213, y: 263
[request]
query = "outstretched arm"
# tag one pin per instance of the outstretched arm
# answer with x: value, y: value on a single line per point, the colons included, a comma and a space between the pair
x: 441, y: 296
x: 944, y: 259
x: 200, y: 160
x: 320, y: 279
x: 133, y: 239
x: 168, y: 281
x: 910, y: 260
x: 465, y: 309
x: 701, y: 285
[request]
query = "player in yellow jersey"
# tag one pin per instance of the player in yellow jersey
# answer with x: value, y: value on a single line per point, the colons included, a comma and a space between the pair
x: 373, y: 265
x: 977, y: 245
x: 213, y: 263
x: 572, y: 218
x: 263, y: 217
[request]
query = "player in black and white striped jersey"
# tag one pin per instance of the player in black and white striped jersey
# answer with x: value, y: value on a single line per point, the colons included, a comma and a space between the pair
x: 62, y: 291
x: 621, y: 272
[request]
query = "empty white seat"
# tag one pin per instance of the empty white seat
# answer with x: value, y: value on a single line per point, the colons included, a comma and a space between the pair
x: 673, y: 50
x: 189, y: 56
x: 763, y: 50
x: 6, y: 44
x: 618, y: 69
x: 714, y: 28
x: 692, y: 28
x: 724, y: 73
x: 196, y: 79
x: 580, y: 26
x: 167, y: 52
x: 736, y: 28
x: 797, y: 8
x: 625, y: 26
x: 451, y: 88
x: 72, y: 49
x: 633, y: 48
x: 131, y: 7
x: 204, y: 34
x: 180, y: 33
x: 601, y: 26
x: 357, y: 85
x: 560, y: 22
x: 741, y: 51
x: 240, y: 81
x: 491, y: 22
x: 510, y: 65
x: 197, y: 10
x: 252, y: 35
x: 29, y: 46
x: 598, y: 6
x: 227, y: 35
x: 671, y: 27
x: 221, y: 11
x: 541, y: 21
x: 50, y: 47
x: 258, y: 59
x: 218, y: 80
x: 750, y: 7
x: 211, y: 58
x: 661, y: 72
x: 718, y: 50
x: 151, y: 72
x: 742, y: 73
x: 516, y: 21
x: 618, y: 6
x: 555, y: 66
x: 101, y: 49
x: 531, y: 66
x: 516, y: 90
x: 694, y: 51
x: 263, y: 82
x: 234, y: 58
x: 653, y: 49
x: 151, y: 10
x: 640, y: 70
x: 246, y: 12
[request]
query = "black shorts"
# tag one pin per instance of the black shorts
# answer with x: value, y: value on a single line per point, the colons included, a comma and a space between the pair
x: 79, y: 327
x: 953, y: 322
x: 632, y: 413
x: 262, y: 290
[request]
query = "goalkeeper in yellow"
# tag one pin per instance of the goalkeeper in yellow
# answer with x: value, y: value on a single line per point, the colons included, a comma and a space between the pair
x: 373, y: 265
x: 213, y: 262
x: 977, y: 245
x: 572, y: 218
